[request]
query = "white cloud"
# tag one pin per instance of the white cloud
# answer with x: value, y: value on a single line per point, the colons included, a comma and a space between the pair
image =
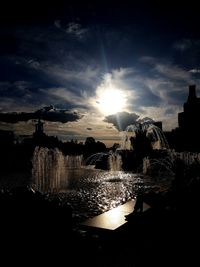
x: 72, y: 28
x: 77, y: 72
x: 173, y: 72
x: 155, y: 92
x: 194, y: 71
x: 169, y: 121
x: 99, y: 130
x: 76, y: 29
x: 78, y: 129
x: 66, y: 95
x: 34, y: 64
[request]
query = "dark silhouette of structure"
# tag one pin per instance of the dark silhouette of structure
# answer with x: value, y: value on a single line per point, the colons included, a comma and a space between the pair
x: 39, y: 130
x: 39, y: 127
x: 188, y: 119
x: 186, y: 136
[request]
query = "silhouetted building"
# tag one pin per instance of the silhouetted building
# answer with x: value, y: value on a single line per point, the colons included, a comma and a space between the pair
x: 39, y: 136
x: 39, y: 130
x: 188, y: 119
x: 187, y: 136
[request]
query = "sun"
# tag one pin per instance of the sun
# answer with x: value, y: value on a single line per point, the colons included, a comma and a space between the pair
x: 111, y: 101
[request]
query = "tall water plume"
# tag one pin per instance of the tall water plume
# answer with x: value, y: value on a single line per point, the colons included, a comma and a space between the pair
x: 138, y: 134
x: 115, y: 162
x: 50, y: 168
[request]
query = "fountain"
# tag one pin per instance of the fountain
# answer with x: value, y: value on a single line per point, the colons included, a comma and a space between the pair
x: 105, y: 161
x: 139, y: 141
x: 143, y: 135
x: 89, y: 191
x: 94, y: 158
x: 50, y: 168
x: 115, y: 178
x: 115, y: 162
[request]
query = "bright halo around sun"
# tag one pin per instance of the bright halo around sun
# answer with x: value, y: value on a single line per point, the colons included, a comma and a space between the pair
x: 111, y: 101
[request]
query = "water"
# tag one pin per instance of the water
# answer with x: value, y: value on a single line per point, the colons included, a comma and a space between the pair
x: 48, y: 169
x: 115, y: 162
x: 89, y: 191
x: 91, y: 160
x: 148, y: 131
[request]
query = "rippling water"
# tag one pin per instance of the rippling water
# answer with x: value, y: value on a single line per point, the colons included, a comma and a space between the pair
x: 91, y: 191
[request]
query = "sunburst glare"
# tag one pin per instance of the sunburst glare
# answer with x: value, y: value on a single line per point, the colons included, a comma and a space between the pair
x: 111, y: 100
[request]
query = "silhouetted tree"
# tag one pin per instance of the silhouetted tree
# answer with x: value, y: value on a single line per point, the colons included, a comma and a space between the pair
x: 89, y: 141
x: 115, y: 146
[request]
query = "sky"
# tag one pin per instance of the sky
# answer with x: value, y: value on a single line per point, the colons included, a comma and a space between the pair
x: 79, y: 65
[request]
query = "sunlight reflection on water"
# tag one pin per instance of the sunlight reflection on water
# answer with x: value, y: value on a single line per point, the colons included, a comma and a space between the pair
x: 92, y: 191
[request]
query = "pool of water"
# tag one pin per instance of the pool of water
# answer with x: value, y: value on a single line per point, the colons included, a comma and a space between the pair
x: 91, y: 191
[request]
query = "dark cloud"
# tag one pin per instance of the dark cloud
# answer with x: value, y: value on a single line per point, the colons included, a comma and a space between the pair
x: 89, y: 129
x: 122, y: 119
x: 47, y: 113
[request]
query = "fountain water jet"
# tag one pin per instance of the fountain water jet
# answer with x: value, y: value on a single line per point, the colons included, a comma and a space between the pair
x: 115, y: 162
x: 50, y: 166
x: 143, y: 134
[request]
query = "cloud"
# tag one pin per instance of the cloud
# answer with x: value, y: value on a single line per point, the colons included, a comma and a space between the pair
x: 183, y: 45
x: 135, y: 88
x: 194, y: 71
x: 47, y: 113
x: 164, y: 69
x: 70, y: 84
x: 73, y: 80
x: 100, y: 130
x: 152, y: 92
x: 78, y: 73
x: 162, y: 85
x: 89, y: 129
x: 166, y: 114
x: 34, y: 64
x: 72, y: 28
x: 121, y: 120
x: 71, y: 99
x: 57, y: 24
x: 50, y: 113
x: 76, y: 30
x: 172, y: 72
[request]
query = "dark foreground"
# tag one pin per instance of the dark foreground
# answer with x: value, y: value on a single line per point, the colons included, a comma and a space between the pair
x: 37, y: 231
